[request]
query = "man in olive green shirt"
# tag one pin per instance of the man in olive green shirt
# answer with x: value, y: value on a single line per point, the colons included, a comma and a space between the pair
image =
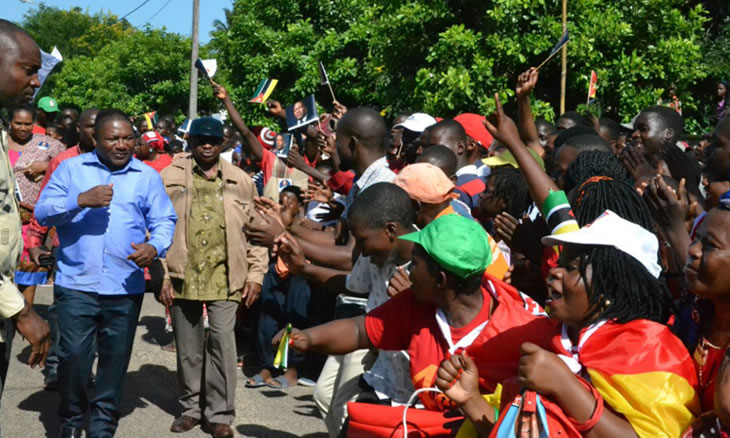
x: 210, y: 261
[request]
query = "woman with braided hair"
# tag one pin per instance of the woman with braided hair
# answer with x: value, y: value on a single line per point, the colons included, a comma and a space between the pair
x: 614, y: 368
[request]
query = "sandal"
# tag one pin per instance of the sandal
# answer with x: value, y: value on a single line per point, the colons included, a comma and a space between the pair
x: 256, y: 382
x: 281, y: 381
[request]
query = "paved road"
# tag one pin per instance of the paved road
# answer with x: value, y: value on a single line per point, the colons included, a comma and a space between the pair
x: 150, y: 398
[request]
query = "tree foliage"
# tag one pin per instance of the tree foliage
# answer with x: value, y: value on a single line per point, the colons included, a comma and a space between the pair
x: 441, y: 56
x: 108, y: 63
x: 449, y: 56
x: 73, y: 31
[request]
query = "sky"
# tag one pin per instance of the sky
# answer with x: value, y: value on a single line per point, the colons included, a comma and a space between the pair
x: 175, y: 15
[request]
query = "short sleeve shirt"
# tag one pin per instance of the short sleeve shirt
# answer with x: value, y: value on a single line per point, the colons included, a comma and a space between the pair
x: 389, y: 375
x: 377, y: 172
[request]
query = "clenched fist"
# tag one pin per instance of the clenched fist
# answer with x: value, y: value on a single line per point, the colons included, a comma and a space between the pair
x: 96, y: 197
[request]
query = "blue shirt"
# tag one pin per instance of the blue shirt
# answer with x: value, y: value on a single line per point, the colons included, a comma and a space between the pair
x: 95, y: 242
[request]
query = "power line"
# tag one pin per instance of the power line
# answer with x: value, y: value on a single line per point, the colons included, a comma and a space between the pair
x: 159, y: 10
x: 133, y: 10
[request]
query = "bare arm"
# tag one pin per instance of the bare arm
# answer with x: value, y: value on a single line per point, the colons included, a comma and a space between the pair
x: 341, y: 336
x: 254, y: 147
x: 505, y: 130
x: 528, y: 131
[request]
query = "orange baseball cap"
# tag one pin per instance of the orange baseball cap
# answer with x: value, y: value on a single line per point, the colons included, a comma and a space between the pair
x: 425, y: 183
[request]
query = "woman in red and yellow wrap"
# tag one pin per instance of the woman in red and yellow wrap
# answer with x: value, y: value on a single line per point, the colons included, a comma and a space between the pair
x: 614, y: 368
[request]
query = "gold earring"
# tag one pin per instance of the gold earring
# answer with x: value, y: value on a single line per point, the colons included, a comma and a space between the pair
x: 607, y: 303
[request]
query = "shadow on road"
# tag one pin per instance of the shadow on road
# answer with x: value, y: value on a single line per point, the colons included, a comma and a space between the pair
x: 256, y: 431
x: 153, y: 384
x: 45, y: 403
x: 156, y: 334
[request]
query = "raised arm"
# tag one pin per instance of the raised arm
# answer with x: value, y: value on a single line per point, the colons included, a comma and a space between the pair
x: 504, y: 129
x: 254, y: 147
x: 528, y: 131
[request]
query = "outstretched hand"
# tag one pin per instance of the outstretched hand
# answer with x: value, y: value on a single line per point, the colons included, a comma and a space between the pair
x: 298, y: 340
x: 287, y: 248
x: 501, y: 126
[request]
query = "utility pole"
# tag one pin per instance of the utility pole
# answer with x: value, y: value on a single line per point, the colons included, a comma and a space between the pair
x: 193, y: 107
x: 564, y: 69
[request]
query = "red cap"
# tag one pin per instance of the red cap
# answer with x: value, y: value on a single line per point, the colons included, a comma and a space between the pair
x: 265, y: 136
x: 474, y: 126
x: 155, y: 140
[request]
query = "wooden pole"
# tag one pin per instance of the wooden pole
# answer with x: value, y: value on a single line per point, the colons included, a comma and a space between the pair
x: 564, y: 69
x: 193, y: 106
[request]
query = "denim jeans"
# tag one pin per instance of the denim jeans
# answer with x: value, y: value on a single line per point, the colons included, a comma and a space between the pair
x: 85, y: 319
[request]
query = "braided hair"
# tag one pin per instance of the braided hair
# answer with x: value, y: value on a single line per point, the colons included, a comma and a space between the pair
x: 594, y: 163
x: 510, y: 186
x: 620, y: 287
x: 598, y: 194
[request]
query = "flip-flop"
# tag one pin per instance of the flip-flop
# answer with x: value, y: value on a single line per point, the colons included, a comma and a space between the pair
x: 282, y: 383
x: 258, y: 382
x: 303, y: 381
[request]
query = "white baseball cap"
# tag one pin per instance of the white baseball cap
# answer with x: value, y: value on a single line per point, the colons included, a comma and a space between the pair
x: 610, y: 229
x: 417, y: 122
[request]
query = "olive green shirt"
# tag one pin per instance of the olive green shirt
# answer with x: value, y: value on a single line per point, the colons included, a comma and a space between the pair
x: 206, y: 272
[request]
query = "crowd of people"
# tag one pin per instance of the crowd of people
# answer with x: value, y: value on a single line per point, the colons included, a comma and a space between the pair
x: 479, y: 276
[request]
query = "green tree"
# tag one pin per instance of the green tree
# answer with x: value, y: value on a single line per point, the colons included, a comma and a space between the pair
x: 449, y: 56
x: 73, y: 31
x: 143, y: 71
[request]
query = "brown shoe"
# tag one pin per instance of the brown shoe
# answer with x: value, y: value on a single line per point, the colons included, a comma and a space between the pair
x: 183, y: 423
x: 219, y: 430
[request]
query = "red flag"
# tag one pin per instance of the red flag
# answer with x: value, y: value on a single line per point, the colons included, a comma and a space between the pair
x: 592, y: 86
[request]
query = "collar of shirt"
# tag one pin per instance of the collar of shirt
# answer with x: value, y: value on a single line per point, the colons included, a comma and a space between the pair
x: 199, y: 170
x: 93, y: 159
x: 480, y: 169
x: 373, y: 170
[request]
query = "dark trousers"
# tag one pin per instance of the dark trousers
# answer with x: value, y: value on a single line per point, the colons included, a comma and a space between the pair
x: 282, y: 301
x: 85, y: 319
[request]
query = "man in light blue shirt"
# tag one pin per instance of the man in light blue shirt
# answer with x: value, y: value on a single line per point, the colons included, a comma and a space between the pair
x: 102, y: 204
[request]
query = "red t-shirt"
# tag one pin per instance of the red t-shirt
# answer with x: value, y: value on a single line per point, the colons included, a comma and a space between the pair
x: 162, y: 161
x: 267, y: 164
x: 38, y: 129
x: 404, y: 323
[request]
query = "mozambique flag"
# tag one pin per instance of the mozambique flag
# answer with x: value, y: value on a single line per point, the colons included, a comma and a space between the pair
x: 643, y: 372
x: 151, y: 119
x: 264, y: 90
x: 281, y: 360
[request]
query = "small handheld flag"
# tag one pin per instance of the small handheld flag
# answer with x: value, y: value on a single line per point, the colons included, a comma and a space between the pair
x: 48, y: 63
x: 564, y: 39
x: 592, y: 87
x: 151, y: 119
x: 263, y: 90
x: 282, y: 354
x: 207, y: 68
x: 325, y: 80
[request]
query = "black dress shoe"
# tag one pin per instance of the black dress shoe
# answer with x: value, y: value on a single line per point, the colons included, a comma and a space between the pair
x: 70, y: 432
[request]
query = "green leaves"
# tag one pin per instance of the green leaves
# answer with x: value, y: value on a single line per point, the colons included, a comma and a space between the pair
x: 442, y: 57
